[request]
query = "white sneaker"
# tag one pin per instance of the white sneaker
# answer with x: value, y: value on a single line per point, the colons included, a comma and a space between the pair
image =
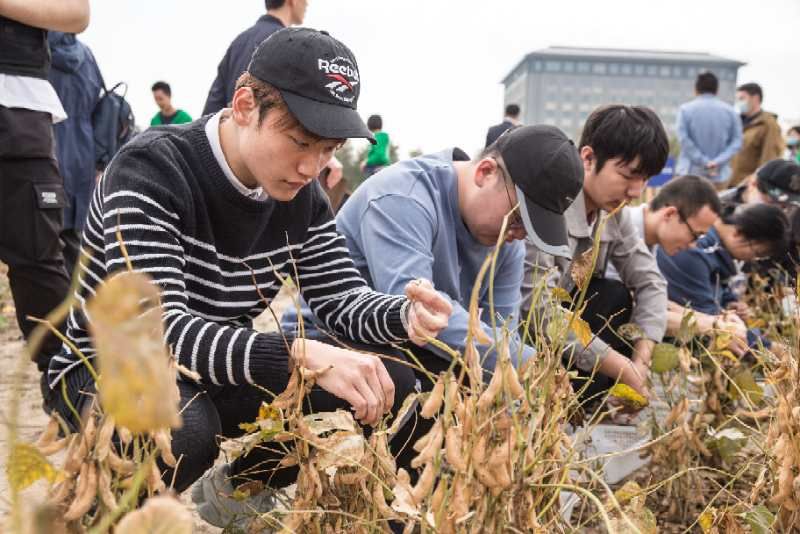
x: 213, y: 496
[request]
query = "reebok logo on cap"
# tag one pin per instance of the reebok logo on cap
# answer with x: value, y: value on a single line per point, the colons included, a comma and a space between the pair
x: 344, y: 76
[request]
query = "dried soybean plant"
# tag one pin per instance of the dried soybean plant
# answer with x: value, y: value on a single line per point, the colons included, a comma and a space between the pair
x: 497, y: 456
x: 778, y: 484
x: 109, y: 464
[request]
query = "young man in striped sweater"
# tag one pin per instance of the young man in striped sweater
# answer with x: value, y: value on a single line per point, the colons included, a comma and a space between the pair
x: 213, y: 208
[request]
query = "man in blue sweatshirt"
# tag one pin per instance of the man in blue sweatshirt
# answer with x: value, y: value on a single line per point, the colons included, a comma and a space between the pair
x: 438, y: 216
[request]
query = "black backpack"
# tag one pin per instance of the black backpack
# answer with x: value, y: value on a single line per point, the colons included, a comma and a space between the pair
x: 113, y: 123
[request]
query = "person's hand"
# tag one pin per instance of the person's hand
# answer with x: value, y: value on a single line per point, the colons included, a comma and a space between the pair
x: 643, y: 352
x: 712, y: 168
x: 733, y: 325
x: 636, y: 377
x: 355, y: 377
x: 428, y: 313
x: 741, y: 309
x: 634, y: 373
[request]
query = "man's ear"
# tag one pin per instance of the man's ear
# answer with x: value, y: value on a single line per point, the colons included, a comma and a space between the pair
x: 244, y: 106
x: 669, y: 211
x: 486, y: 172
x: 589, y: 159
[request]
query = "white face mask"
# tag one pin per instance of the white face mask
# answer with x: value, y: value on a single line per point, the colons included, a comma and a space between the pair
x: 742, y: 107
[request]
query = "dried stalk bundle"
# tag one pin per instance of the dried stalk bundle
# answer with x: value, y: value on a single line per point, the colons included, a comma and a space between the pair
x: 138, y: 381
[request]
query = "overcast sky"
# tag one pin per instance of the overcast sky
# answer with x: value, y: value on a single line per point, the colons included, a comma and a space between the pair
x: 432, y: 68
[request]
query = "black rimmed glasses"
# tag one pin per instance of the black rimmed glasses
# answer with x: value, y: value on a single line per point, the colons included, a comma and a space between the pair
x: 697, y: 236
x: 514, y: 218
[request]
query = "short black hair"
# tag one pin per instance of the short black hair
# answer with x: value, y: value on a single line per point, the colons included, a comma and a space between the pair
x: 512, y: 110
x: 627, y: 132
x: 795, y: 129
x: 762, y: 223
x: 162, y: 86
x: 688, y: 194
x: 375, y: 122
x: 752, y: 89
x: 706, y: 83
x: 274, y: 4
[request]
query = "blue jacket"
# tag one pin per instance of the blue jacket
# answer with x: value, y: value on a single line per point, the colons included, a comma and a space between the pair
x: 404, y: 223
x: 699, y: 278
x: 77, y: 81
x: 709, y: 130
x: 236, y: 60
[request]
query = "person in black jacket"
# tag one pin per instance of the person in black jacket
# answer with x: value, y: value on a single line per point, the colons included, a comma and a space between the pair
x: 509, y: 121
x: 280, y: 14
x: 31, y: 189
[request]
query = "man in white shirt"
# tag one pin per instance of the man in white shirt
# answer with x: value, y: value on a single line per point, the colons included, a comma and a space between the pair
x: 31, y: 190
x: 681, y: 212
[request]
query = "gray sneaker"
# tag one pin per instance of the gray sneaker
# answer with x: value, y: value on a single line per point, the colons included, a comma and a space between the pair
x: 212, y: 494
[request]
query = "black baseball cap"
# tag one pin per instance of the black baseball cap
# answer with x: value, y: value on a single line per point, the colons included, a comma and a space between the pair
x: 318, y: 78
x: 780, y: 179
x: 547, y: 173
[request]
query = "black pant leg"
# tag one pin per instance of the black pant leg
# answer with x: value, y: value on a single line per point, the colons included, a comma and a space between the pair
x: 72, y: 248
x: 31, y: 217
x: 609, y: 306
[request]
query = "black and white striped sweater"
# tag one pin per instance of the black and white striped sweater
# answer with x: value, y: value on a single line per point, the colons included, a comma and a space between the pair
x: 184, y: 224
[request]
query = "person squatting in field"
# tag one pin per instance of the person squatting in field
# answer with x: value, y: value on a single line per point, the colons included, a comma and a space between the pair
x: 213, y: 211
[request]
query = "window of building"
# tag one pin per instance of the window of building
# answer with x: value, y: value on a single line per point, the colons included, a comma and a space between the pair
x: 613, y: 68
x: 566, y: 123
x: 638, y: 69
x: 552, y: 66
x: 652, y: 70
x: 569, y: 66
x: 537, y: 66
x: 550, y: 105
x: 566, y: 106
x: 664, y: 71
x: 549, y: 119
x: 677, y: 72
x: 599, y: 68
x: 626, y: 68
x: 583, y: 66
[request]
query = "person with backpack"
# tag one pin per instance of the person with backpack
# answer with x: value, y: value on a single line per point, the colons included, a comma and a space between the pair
x: 218, y: 212
x: 31, y: 189
x: 77, y: 81
x: 167, y: 114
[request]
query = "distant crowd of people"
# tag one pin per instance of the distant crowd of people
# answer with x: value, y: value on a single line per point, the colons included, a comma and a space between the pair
x: 218, y: 210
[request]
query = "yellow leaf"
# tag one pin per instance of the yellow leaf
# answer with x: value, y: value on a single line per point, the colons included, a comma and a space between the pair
x: 26, y: 465
x: 706, y: 520
x: 748, y: 385
x: 728, y: 354
x: 665, y: 358
x: 561, y: 294
x: 722, y: 341
x: 628, y: 491
x: 628, y: 396
x: 581, y: 330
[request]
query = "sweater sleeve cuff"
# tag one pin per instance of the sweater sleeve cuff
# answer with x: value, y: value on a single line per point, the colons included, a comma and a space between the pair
x: 397, y: 320
x: 269, y: 361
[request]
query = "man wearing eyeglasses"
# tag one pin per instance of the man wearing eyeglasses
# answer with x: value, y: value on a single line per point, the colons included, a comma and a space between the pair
x: 682, y: 212
x: 441, y: 215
